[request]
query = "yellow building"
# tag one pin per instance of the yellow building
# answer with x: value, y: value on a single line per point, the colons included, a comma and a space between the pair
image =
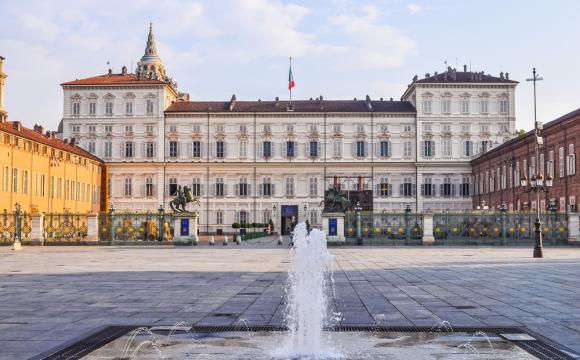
x: 43, y: 173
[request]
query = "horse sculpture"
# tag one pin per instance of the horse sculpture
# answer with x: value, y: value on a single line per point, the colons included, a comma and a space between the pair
x: 335, y: 200
x: 184, y: 196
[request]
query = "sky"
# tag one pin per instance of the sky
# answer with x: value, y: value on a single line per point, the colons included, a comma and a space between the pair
x: 340, y: 49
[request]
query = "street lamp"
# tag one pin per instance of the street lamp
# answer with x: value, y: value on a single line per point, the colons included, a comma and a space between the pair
x: 160, y: 212
x: 407, y: 228
x: 537, y: 180
x: 358, y: 211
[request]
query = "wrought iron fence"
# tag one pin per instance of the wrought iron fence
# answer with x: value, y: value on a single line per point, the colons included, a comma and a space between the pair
x: 65, y: 228
x: 380, y: 229
x: 128, y: 228
x: 10, y: 223
x: 498, y: 228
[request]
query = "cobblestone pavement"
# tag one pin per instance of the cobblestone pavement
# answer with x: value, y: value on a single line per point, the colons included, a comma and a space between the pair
x: 50, y: 295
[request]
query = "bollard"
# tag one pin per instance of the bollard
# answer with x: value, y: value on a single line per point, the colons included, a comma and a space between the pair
x: 238, y: 240
x: 225, y: 240
x: 211, y: 241
x: 280, y: 241
x: 194, y: 241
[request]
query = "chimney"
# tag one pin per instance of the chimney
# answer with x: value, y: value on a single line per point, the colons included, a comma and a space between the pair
x: 501, y: 75
x: 38, y: 128
x: 368, y: 103
x: 464, y: 68
x: 72, y: 141
x: 321, y: 98
x: 110, y: 71
x: 65, y: 141
x: 507, y: 76
x: 124, y: 70
x: 16, y: 125
x: 232, y: 102
x: 436, y: 74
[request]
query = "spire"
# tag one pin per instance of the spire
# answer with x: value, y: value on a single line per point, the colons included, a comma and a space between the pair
x: 150, y: 49
x: 151, y: 65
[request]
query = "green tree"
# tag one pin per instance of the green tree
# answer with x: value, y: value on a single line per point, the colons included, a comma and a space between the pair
x: 520, y: 132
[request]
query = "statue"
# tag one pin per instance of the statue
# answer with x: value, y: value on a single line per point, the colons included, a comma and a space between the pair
x: 184, y: 196
x: 335, y: 200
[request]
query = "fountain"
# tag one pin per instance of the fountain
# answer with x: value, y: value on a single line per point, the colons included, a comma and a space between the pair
x: 311, y: 328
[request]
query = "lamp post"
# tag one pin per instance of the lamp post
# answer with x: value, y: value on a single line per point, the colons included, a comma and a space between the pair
x: 503, y: 209
x: 111, y: 224
x: 273, y: 217
x: 407, y: 229
x: 17, y: 224
x: 358, y: 210
x: 160, y: 212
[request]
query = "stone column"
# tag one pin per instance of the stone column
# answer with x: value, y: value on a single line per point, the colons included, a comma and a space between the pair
x: 574, y: 229
x: 194, y: 225
x: 37, y: 229
x: 428, y: 238
x: 92, y: 228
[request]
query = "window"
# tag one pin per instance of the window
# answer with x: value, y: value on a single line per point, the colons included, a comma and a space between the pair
x: 407, y: 149
x: 128, y: 186
x: 196, y: 187
x: 15, y: 180
x: 360, y: 148
x: 92, y: 129
x: 42, y: 185
x: 337, y: 149
x: 172, y: 128
x: 92, y: 108
x: 108, y: 153
x: 503, y: 128
x: 172, y: 186
x: 196, y: 149
x: 571, y: 160
x: 550, y: 169
x: 219, y: 217
x: 75, y: 128
x: 446, y: 128
x: 220, y: 149
x: 196, y: 128
x: 407, y: 128
x: 128, y: 149
x: 243, y: 129
x: 360, y: 128
x: 266, y: 128
x: 149, y: 187
x: 313, y: 149
x: 561, y: 163
x: 465, y: 186
x: 267, y: 149
x: 428, y: 187
x: 313, y: 217
x: 266, y: 216
x: 108, y: 108
x: 447, y: 148
x: 484, y: 128
x: 219, y: 128
x: 467, y: 148
x: 384, y: 187
x: 267, y: 187
x: 337, y: 128
x: 243, y: 187
x: 149, y: 106
x: 447, y: 187
x: 428, y: 148
x: 384, y: 128
x: 149, y: 149
x: 243, y: 148
x: 76, y: 108
x: 289, y: 186
x: 149, y: 128
x: 503, y: 106
x: 427, y: 127
x: 173, y: 149
x: 313, y: 128
x: 464, y: 105
x: 313, y: 187
x: 108, y: 129
x: 290, y: 149
x: 58, y: 187
x: 427, y: 105
x: 220, y: 187
x: 407, y: 187
x: 92, y: 147
x: 128, y: 128
x: 446, y: 106
x: 385, y: 148
x: 25, y: 181
x: 484, y: 106
x: 465, y: 128
x: 129, y: 108
x: 243, y: 217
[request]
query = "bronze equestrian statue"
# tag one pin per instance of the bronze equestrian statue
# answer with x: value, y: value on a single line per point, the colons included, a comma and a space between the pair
x: 184, y: 197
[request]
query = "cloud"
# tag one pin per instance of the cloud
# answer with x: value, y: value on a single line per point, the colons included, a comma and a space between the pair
x: 414, y: 8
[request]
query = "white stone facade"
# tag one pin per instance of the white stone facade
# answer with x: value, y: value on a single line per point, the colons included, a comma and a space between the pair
x: 204, y: 149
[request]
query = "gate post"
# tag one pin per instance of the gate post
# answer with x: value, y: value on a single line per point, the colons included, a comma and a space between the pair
x: 503, y: 209
x: 428, y: 238
x: 92, y: 228
x: 37, y: 229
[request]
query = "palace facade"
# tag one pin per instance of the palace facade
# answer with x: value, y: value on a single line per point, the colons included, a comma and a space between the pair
x: 251, y: 161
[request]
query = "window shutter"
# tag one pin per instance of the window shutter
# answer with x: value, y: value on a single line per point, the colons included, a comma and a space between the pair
x: 378, y: 149
x: 212, y: 149
x: 401, y: 189
x: 434, y: 148
x: 167, y: 149
x: 453, y: 189
x: 261, y: 149
x: 441, y: 189
x: 272, y: 148
x: 353, y: 148
x: 423, y: 189
x: 144, y: 149
x: 201, y: 189
x: 366, y: 149
x: 122, y: 150
x: 273, y: 187
x: 414, y: 189
x: 237, y: 216
x: 225, y: 149
x: 225, y: 189
x: 212, y: 190
x: 249, y: 189
x: 285, y: 149
x: 202, y: 149
x: 422, y: 148
x: 237, y: 188
x: 167, y: 190
x: 189, y: 149
x: 260, y: 189
x: 318, y: 149
x: 390, y: 190
x: 389, y: 149
x: 377, y: 189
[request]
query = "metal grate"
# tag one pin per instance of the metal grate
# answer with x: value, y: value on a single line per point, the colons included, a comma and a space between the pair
x: 74, y: 350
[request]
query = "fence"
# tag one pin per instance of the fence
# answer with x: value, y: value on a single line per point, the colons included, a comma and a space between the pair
x: 65, y: 229
x: 11, y: 223
x: 135, y: 228
x: 498, y: 229
x: 379, y: 229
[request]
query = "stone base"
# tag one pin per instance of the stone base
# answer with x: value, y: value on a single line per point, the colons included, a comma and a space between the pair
x: 16, y: 246
x: 185, y: 227
x: 327, y: 219
x: 428, y: 238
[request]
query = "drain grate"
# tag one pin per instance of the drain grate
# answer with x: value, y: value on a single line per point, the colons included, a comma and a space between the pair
x: 74, y: 350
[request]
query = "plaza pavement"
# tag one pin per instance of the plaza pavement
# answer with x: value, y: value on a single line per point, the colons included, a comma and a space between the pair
x: 49, y: 295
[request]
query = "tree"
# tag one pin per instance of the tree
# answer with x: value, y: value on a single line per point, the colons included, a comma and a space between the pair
x: 520, y: 132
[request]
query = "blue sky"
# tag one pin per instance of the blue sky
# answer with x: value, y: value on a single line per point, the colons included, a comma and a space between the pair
x: 340, y: 48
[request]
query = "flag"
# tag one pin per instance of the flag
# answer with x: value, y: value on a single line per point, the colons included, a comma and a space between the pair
x: 291, y: 83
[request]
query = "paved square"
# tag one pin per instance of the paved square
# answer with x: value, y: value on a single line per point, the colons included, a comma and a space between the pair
x: 50, y: 295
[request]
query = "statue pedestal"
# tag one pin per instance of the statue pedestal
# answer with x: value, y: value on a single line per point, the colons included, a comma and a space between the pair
x: 333, y: 226
x: 185, y: 228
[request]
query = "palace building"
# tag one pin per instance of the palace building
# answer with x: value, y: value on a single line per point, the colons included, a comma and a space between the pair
x: 251, y: 161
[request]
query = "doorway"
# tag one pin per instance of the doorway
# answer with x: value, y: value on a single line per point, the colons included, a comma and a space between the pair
x: 289, y: 218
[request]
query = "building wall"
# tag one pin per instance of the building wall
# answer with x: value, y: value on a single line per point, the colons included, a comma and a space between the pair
x: 36, y: 175
x: 497, y: 173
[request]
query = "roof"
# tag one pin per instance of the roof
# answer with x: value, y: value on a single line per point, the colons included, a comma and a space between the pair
x: 300, y: 106
x: 524, y: 137
x: 452, y: 76
x: 115, y: 79
x: 33, y: 135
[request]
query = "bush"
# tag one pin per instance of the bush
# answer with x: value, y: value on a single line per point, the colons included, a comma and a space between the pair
x: 254, y: 225
x: 236, y: 225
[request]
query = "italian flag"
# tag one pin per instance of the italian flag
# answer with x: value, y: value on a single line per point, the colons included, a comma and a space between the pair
x: 291, y: 83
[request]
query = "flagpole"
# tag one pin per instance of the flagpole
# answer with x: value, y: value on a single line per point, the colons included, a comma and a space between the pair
x: 290, y: 88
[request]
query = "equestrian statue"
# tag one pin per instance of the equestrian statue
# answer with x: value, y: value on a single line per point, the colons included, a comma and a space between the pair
x: 335, y: 200
x: 184, y: 197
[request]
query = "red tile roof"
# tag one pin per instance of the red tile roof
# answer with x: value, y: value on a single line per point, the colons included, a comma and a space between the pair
x: 33, y: 135
x: 115, y: 79
x: 297, y: 106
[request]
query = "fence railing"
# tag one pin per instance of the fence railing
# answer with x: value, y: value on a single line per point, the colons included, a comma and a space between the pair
x: 135, y: 228
x: 66, y: 228
x: 384, y: 228
x: 11, y: 224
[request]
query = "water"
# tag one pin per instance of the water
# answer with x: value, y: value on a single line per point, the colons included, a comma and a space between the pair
x: 307, y: 310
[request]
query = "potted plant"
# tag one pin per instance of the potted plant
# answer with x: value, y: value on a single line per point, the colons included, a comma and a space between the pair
x: 236, y: 226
